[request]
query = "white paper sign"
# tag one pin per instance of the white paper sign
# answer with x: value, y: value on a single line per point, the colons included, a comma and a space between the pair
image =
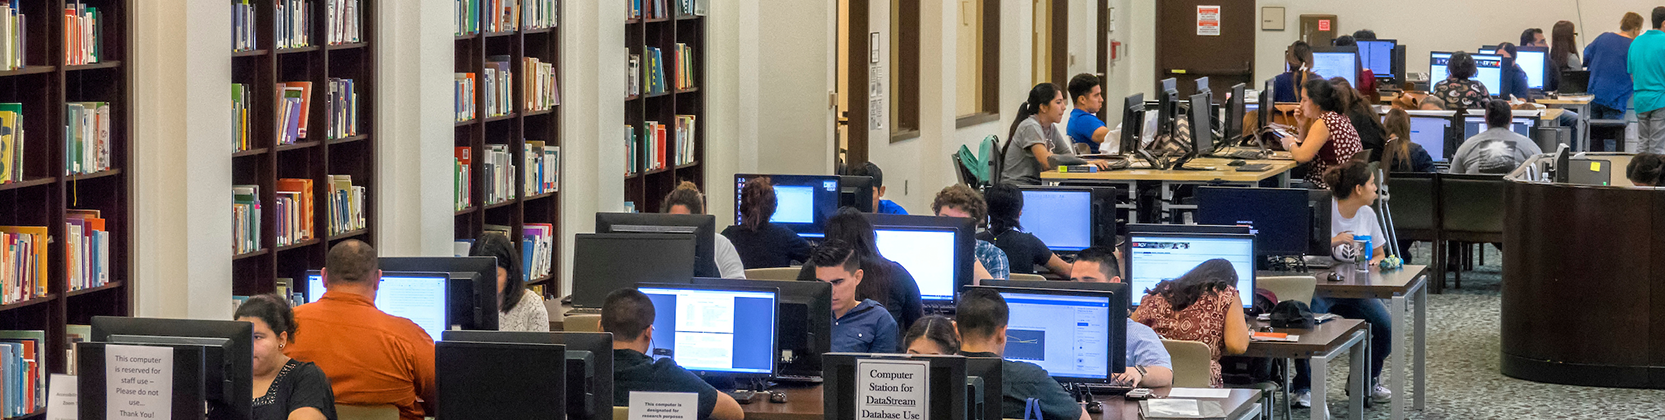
x: 138, y: 382
x: 60, y: 401
x: 893, y: 389
x: 664, y: 405
x: 1208, y: 20
x: 1199, y: 393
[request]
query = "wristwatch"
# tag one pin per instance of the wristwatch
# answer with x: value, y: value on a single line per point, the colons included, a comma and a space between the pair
x: 1141, y: 370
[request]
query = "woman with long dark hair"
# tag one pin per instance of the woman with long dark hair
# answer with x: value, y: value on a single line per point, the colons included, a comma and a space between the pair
x: 1325, y: 137
x: 287, y: 389
x: 1035, y: 144
x: 1287, y: 86
x: 1356, y: 106
x: 1563, y: 53
x: 883, y: 280
x: 1402, y: 154
x: 1023, y: 250
x: 518, y: 309
x: 762, y: 244
x: 1201, y: 305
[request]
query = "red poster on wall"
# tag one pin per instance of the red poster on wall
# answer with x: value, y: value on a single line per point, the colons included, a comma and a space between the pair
x: 1208, y: 20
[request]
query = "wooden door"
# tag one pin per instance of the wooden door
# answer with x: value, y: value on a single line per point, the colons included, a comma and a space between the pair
x: 1187, y: 46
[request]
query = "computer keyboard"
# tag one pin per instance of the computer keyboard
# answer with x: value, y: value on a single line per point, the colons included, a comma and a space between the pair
x: 743, y: 396
x: 1117, y: 387
x: 585, y: 311
x: 802, y: 379
x: 1241, y: 154
x: 1254, y: 167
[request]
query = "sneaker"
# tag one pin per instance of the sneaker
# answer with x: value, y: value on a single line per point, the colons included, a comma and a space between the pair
x: 1381, y: 393
x: 1303, y: 399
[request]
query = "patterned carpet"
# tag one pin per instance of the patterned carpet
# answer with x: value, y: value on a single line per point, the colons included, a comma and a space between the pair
x: 1463, y: 377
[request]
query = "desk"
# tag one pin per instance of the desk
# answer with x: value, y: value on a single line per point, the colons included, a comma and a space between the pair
x: 1321, y: 344
x: 1581, y: 105
x: 1171, y: 179
x: 807, y: 403
x: 1397, y: 286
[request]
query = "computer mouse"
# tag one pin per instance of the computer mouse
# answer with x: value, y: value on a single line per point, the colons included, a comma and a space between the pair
x: 1237, y: 163
x: 1335, y: 276
x: 777, y: 397
x: 1095, y: 407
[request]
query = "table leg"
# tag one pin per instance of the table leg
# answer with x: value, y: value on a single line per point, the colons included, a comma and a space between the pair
x: 1359, y: 375
x: 1396, y: 356
x: 1320, y: 374
x: 1421, y: 345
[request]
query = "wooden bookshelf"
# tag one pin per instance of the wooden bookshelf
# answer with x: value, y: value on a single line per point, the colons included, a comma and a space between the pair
x: 514, y: 130
x: 314, y: 156
x: 46, y: 193
x: 646, y: 189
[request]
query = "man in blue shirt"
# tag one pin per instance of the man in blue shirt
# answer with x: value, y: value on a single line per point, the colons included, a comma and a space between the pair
x: 981, y: 317
x: 880, y: 205
x: 1609, y: 79
x: 1148, y: 363
x: 1086, y: 131
x: 628, y: 314
x: 862, y: 326
x: 1647, y: 73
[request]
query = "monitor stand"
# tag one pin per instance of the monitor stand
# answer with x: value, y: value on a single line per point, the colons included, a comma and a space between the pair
x: 1296, y: 264
x: 1179, y: 165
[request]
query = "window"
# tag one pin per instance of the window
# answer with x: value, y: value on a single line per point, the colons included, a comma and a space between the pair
x: 904, y: 69
x: 978, y: 60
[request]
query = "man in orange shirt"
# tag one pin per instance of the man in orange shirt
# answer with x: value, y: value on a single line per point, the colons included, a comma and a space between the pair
x: 370, y: 357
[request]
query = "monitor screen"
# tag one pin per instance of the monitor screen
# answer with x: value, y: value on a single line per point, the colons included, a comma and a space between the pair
x: 1430, y: 133
x: 928, y: 254
x: 1473, y: 125
x: 796, y: 204
x: 1490, y: 70
x: 1377, y: 56
x: 1061, y: 219
x: 1068, y: 335
x: 1534, y: 63
x: 1337, y: 64
x: 419, y: 298
x: 802, y: 202
x: 1156, y: 258
x: 697, y: 328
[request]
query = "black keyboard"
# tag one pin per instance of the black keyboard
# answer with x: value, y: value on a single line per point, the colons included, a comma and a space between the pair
x: 804, y: 379
x: 1254, y: 167
x: 1241, y: 154
x: 585, y: 311
x: 1117, y: 387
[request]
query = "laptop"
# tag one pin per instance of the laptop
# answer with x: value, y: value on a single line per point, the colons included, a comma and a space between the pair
x: 1574, y: 82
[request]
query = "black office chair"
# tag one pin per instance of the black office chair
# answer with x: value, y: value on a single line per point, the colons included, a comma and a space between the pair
x: 997, y: 160
x: 1471, y: 211
x: 1415, y: 213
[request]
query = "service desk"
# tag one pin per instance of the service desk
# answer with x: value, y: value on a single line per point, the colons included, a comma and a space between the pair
x: 1213, y: 171
x: 807, y: 403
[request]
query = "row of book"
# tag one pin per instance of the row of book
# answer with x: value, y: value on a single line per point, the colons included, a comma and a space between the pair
x: 82, y: 36
x: 88, y: 249
x: 11, y: 142
x: 242, y: 138
x: 22, y: 263
x: 684, y: 74
x: 498, y: 166
x: 245, y: 212
x: 294, y: 98
x: 651, y: 150
x: 87, y: 137
x: 542, y: 91
x: 23, y: 372
x: 346, y: 205
x: 243, y: 25
x: 504, y: 15
x: 633, y: 74
x: 651, y: 9
x: 14, y: 34
x: 499, y: 93
x: 654, y: 76
x: 346, y: 21
x: 464, y: 86
x: 294, y: 19
x: 685, y: 129
x: 632, y: 153
x: 343, y: 108
x: 537, y: 249
x: 462, y: 178
x: 294, y: 211
x: 543, y: 168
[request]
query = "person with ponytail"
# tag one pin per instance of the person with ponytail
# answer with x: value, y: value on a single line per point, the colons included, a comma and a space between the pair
x: 1287, y: 86
x: 1356, y: 107
x: 1034, y: 143
x: 687, y: 199
x: 762, y: 244
x: 1023, y: 250
x: 1325, y: 138
x: 1646, y: 170
x: 1402, y: 154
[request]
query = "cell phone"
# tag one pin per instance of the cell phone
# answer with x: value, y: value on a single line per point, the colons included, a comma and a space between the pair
x: 1138, y: 394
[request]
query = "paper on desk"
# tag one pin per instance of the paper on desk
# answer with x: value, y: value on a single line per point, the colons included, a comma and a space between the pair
x: 1173, y: 408
x: 1199, y: 393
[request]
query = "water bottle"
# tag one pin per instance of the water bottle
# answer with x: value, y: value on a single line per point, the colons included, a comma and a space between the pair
x: 1361, y: 253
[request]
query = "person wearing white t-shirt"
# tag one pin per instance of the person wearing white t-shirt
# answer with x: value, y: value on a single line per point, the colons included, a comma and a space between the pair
x: 1354, y: 189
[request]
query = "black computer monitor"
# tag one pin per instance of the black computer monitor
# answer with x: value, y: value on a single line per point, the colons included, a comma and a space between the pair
x: 589, y: 366
x: 984, y: 383
x: 1235, y: 110
x: 936, y: 251
x: 1377, y: 55
x: 1202, y: 126
x: 1268, y: 104
x: 702, y: 226
x: 1331, y: 61
x: 856, y: 191
x: 188, y: 398
x: 605, y: 262
x: 498, y: 380
x: 945, y: 375
x: 803, y: 202
x: 1076, y: 335
x: 227, y: 360
x: 804, y: 332
x: 473, y: 282
x: 1535, y: 62
x: 722, y: 332
x: 1069, y: 219
x: 1165, y: 228
x: 1278, y: 217
x: 1489, y: 69
x: 1430, y: 132
x: 1133, y: 124
x: 428, y: 299
x: 1158, y: 257
x: 1167, y: 110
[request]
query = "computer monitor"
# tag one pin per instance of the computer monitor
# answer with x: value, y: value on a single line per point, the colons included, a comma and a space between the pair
x: 984, y: 382
x: 1319, y: 204
x: 1341, y: 62
x: 702, y: 226
x: 936, y: 251
x: 1202, y: 127
x: 1268, y: 103
x: 1076, y: 335
x: 722, y: 331
x: 803, y: 202
x: 226, y: 361
x: 1474, y: 124
x: 189, y: 397
x: 1118, y: 289
x: 473, y: 286
x: 1167, y: 111
x: 1235, y: 110
x: 605, y: 262
x: 1276, y: 216
x: 1158, y: 257
x: 805, y: 330
x: 1166, y: 228
x: 420, y: 297
x: 589, y: 366
x: 1430, y: 132
x: 1535, y: 62
x: 498, y: 380
x: 1202, y: 85
x: 1597, y: 172
x: 1377, y: 55
x: 945, y: 378
x: 856, y: 191
x: 1069, y: 219
x: 1133, y: 117
x: 1489, y: 69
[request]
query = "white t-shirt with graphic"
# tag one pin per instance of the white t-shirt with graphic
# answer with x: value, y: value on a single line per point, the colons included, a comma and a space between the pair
x: 1362, y: 223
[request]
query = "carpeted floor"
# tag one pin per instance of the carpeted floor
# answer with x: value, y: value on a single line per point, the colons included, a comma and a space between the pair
x: 1463, y: 377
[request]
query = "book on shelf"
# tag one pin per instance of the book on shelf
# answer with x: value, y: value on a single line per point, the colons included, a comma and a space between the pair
x: 540, y: 14
x: 32, y: 370
x: 345, y: 19
x: 685, y: 140
x: 243, y: 23
x: 346, y: 205
x: 684, y: 74
x: 245, y: 208
x: 653, y: 9
x: 631, y: 164
x: 633, y: 78
x: 501, y: 15
x: 88, y: 251
x: 294, y: 18
x: 542, y: 168
x: 654, y: 146
x: 499, y: 166
x: 465, y: 88
x: 343, y: 108
x: 633, y: 10
x: 467, y: 13
x: 491, y: 229
x: 11, y: 142
x: 14, y: 29
x: 499, y: 86
x: 294, y: 210
x: 23, y: 258
x: 87, y: 135
x: 541, y: 90
x: 463, y: 180
x: 655, y: 71
x: 240, y: 97
x: 82, y: 35
x: 536, y: 249
x: 293, y: 101
x: 691, y: 7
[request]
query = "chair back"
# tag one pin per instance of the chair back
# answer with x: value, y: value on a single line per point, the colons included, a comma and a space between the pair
x: 961, y: 172
x: 366, y: 412
x: 582, y: 323
x: 1296, y: 288
x: 1027, y: 277
x: 1471, y: 208
x: 1413, y: 205
x: 777, y: 273
x: 996, y: 158
x: 1192, y: 363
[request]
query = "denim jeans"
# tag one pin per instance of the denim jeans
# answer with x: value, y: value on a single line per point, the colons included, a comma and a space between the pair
x: 1381, y: 334
x: 1651, y: 127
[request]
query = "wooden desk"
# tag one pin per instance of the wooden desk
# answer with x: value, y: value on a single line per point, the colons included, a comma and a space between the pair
x: 1320, y: 345
x: 807, y: 403
x: 1128, y: 180
x: 1581, y: 105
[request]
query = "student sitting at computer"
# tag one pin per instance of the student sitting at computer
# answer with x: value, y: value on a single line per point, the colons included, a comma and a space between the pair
x: 1023, y: 250
x: 1563, y: 53
x: 287, y: 389
x: 1402, y: 154
x: 1499, y: 149
x: 960, y: 200
x: 1515, y: 83
x: 1287, y: 86
x: 629, y: 314
x: 1201, y: 305
x: 1086, y: 131
x: 932, y: 335
x: 880, y: 204
x: 981, y: 317
x: 1646, y: 170
x: 762, y: 244
x: 1366, y: 77
x: 518, y: 309
x: 1460, y: 90
x: 1325, y: 138
x: 884, y: 281
x: 1148, y: 363
x: 1353, y: 189
x: 371, y: 358
x: 1034, y: 144
x: 687, y: 199
x: 859, y: 326
x: 1359, y: 111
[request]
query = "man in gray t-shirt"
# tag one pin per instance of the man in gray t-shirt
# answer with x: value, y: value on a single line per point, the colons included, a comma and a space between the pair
x: 1021, y: 167
x: 1498, y: 150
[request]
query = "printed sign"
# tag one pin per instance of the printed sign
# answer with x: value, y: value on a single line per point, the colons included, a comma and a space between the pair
x: 1208, y: 20
x: 1323, y: 24
x: 664, y: 405
x: 893, y: 389
x: 138, y: 382
x: 61, y: 398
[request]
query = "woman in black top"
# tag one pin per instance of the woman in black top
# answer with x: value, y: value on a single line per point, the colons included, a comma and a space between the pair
x: 1358, y: 110
x: 1023, y: 250
x: 284, y: 388
x: 762, y: 244
x: 883, y: 280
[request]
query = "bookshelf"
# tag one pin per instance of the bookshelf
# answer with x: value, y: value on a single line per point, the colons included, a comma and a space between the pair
x: 86, y: 270
x: 666, y: 26
x: 272, y: 153
x: 512, y: 181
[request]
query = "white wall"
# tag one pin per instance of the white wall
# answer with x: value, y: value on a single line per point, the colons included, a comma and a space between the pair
x: 412, y: 140
x: 592, y: 118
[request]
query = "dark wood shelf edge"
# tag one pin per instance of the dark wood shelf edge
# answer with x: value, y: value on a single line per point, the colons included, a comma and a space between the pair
x: 465, y: 37
x: 535, y: 31
x: 94, y: 66
x: 348, y: 234
x: 297, y: 49
x: 469, y: 122
x: 688, y: 165
x: 500, y: 204
x: 657, y: 95
x: 249, y: 53
x: 344, y: 140
x: 507, y: 117
x: 658, y: 171
x: 26, y: 70
x: 540, y: 196
x: 296, y: 145
x: 466, y: 210
x: 301, y: 244
x: 688, y: 90
x: 39, y: 414
x: 346, y: 46
x: 113, y: 284
x: 26, y: 184
x: 250, y: 152
x: 95, y: 175
x: 540, y: 112
x: 27, y: 303
x: 255, y: 253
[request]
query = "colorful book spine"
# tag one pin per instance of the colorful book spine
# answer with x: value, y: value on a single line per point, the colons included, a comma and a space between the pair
x: 292, y: 24
x: 343, y: 108
x: 465, y: 89
x: 11, y: 143
x: 294, y: 211
x: 87, y: 137
x: 346, y: 205
x: 500, y: 173
x: 463, y: 180
x: 540, y: 14
x: 13, y: 49
x: 82, y: 36
x: 243, y: 22
x: 22, y: 263
x: 344, y: 20
x: 246, y: 222
x: 539, y: 87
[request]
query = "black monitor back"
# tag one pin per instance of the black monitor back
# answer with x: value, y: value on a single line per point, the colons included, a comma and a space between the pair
x: 1235, y: 110
x: 471, y: 292
x: 228, y: 362
x: 490, y: 381
x: 604, y: 262
x: 984, y: 399
x: 1133, y: 124
x: 589, y: 366
x: 1278, y: 216
x: 805, y: 324
x: 947, y: 385
x: 1318, y: 202
x: 702, y: 226
x: 1202, y: 127
x: 856, y: 191
x: 189, y: 396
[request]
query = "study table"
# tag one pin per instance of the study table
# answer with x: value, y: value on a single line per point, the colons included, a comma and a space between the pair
x: 806, y: 403
x: 1581, y: 105
x: 1212, y: 171
x: 1321, y: 344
